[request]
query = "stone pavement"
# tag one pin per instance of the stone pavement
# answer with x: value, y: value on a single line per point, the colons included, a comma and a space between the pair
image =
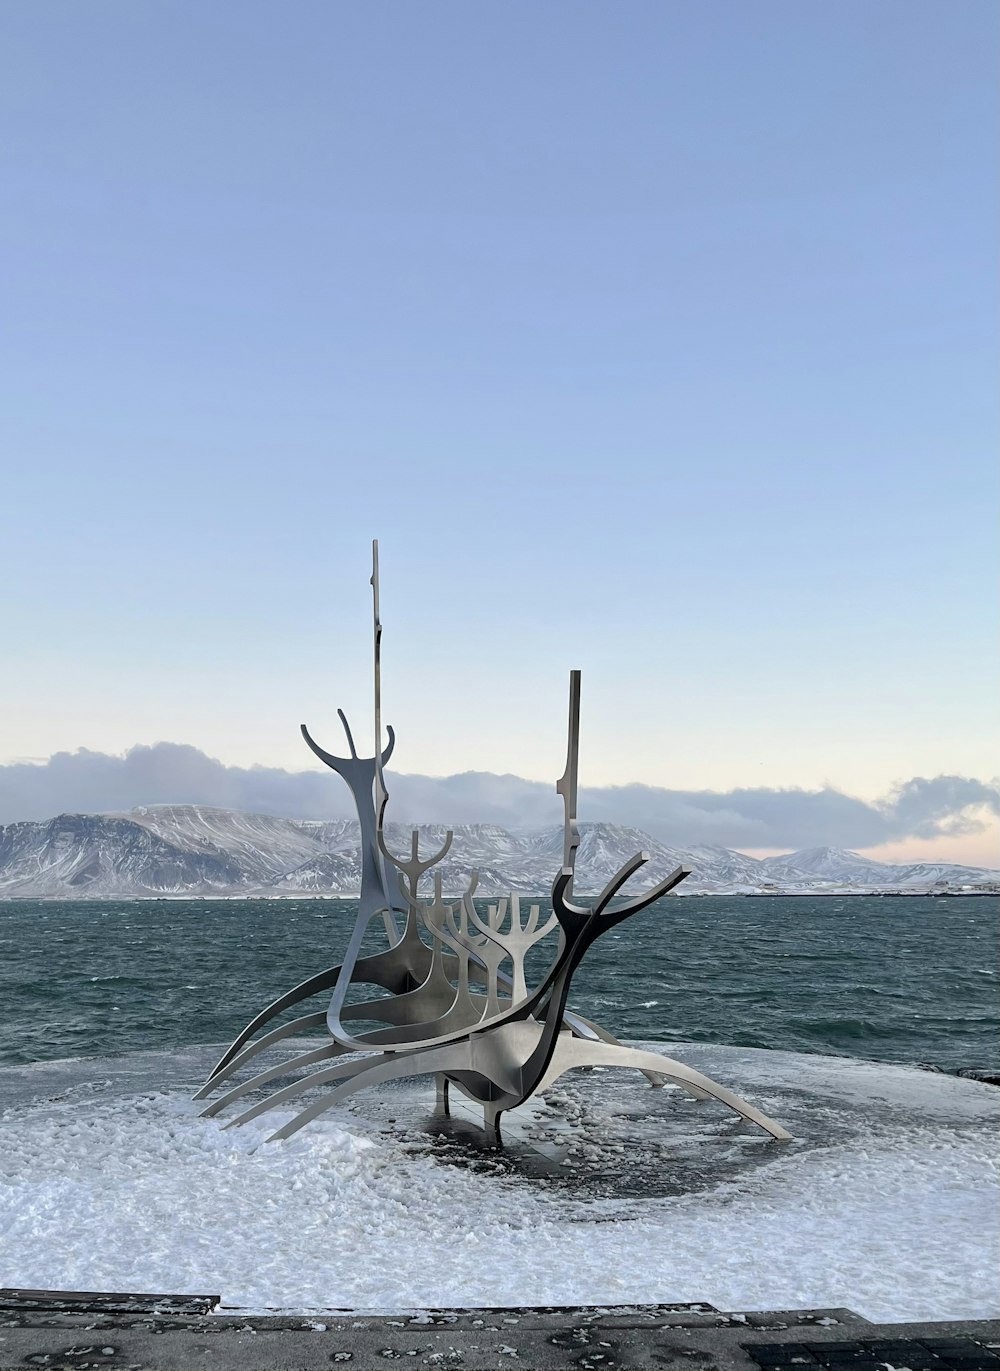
x: 59, y: 1331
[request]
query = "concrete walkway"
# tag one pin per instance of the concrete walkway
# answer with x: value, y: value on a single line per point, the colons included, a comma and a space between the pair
x: 180, y: 1333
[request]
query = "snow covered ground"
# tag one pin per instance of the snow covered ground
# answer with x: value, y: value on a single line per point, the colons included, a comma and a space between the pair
x: 886, y: 1201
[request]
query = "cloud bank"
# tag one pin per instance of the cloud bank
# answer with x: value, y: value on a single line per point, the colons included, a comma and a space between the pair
x: 173, y: 773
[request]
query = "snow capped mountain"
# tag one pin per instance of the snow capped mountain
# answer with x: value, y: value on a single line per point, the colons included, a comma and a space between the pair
x: 329, y: 871
x: 265, y: 848
x: 828, y: 863
x: 196, y: 850
x: 722, y: 868
x: 835, y: 866
x: 82, y: 854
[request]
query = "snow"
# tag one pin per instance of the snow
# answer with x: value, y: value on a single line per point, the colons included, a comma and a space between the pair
x: 889, y: 1209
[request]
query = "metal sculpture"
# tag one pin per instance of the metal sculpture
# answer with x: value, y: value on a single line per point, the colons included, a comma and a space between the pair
x: 458, y: 1005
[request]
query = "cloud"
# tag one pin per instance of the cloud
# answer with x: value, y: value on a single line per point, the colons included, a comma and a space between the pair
x: 173, y: 773
x: 922, y: 808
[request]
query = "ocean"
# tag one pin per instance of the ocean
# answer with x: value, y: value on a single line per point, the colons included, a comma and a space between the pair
x: 910, y: 980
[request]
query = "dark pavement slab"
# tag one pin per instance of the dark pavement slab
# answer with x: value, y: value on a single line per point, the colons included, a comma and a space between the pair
x: 63, y: 1330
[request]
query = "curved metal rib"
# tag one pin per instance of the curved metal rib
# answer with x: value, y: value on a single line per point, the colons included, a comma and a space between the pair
x: 462, y: 1010
x: 359, y: 774
x: 318, y: 1054
x: 419, y: 1064
x: 287, y: 1030
x: 335, y: 763
x: 392, y: 970
x: 458, y: 1058
x: 462, y: 1013
x: 330, y: 1073
x: 469, y: 1052
x: 647, y: 897
x: 514, y: 942
x: 603, y: 1054
x: 416, y: 866
x: 592, y: 1032
x: 311, y: 986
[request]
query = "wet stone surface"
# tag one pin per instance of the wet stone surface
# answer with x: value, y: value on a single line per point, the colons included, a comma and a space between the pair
x: 876, y: 1354
x: 624, y: 1338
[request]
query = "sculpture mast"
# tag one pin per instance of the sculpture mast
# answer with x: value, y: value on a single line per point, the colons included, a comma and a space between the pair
x: 381, y: 795
x: 566, y: 786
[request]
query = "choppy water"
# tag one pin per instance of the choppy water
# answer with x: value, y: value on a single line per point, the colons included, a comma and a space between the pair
x: 893, y: 979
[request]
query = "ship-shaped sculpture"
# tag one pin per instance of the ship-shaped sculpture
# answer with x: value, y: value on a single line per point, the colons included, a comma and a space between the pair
x: 459, y: 1006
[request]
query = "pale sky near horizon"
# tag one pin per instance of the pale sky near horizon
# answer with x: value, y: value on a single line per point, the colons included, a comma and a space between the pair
x: 654, y: 339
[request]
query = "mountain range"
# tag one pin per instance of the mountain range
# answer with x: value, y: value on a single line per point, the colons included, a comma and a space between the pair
x: 199, y: 851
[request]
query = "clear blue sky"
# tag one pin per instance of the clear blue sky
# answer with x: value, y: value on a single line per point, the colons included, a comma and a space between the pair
x: 651, y: 338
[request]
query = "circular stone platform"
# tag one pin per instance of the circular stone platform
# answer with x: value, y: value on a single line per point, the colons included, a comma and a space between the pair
x: 605, y: 1191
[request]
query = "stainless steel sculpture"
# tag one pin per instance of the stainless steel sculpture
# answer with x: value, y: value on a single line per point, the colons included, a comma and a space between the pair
x: 458, y: 1005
